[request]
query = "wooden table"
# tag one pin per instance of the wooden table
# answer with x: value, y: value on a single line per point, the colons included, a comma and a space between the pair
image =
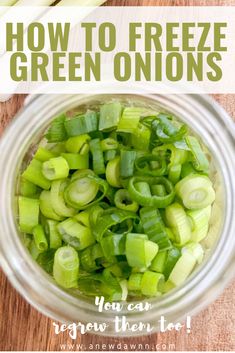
x: 23, y: 328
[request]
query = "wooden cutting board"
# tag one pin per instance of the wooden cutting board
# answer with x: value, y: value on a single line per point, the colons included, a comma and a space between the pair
x: 23, y: 328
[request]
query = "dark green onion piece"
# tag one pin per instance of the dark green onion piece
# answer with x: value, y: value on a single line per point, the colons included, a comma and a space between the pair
x: 127, y: 163
x: 82, y: 124
x: 154, y: 227
x: 187, y: 169
x: 195, y: 191
x: 152, y: 283
x: 89, y: 257
x: 46, y: 260
x: 75, y: 234
x: 143, y: 165
x: 154, y: 200
x: 44, y: 154
x: 109, y: 116
x: 109, y: 144
x: 158, y: 190
x: 97, y: 156
x: 56, y: 131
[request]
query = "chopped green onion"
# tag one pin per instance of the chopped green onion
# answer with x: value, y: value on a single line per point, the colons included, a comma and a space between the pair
x: 174, y: 173
x: 129, y: 120
x: 40, y: 238
x: 55, y: 168
x: 200, y: 161
x: 75, y: 234
x: 177, y: 220
x: 82, y: 124
x: 76, y: 161
x: 28, y: 214
x: 55, y: 240
x: 195, y: 191
x: 27, y: 188
x: 135, y: 220
x: 200, y: 223
x: 143, y: 165
x: 97, y: 157
x: 123, y: 201
x: 113, y: 245
x: 158, y: 190
x: 46, y: 206
x: 154, y: 200
x: 158, y: 262
x: 187, y: 169
x: 152, y: 283
x: 57, y: 132
x: 66, y: 267
x: 140, y: 139
x: 57, y: 198
x: 83, y: 217
x: 33, y: 173
x: 34, y: 250
x: 182, y: 268
x: 109, y: 218
x: 109, y: 116
x: 172, y: 257
x: 139, y: 250
x: 134, y: 282
x: 109, y: 155
x: 113, y: 172
x: 109, y: 144
x: 90, y: 256
x: 78, y: 144
x: 196, y: 250
x: 167, y: 132
x: 127, y: 163
x: 154, y: 227
x: 44, y: 154
x: 83, y: 189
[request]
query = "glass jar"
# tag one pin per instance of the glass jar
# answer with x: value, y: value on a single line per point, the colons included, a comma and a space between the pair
x: 210, y: 122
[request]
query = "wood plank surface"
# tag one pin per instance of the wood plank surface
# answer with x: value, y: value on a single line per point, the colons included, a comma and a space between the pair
x: 25, y: 329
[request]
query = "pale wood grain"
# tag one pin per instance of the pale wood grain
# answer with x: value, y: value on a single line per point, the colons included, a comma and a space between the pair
x: 24, y: 328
